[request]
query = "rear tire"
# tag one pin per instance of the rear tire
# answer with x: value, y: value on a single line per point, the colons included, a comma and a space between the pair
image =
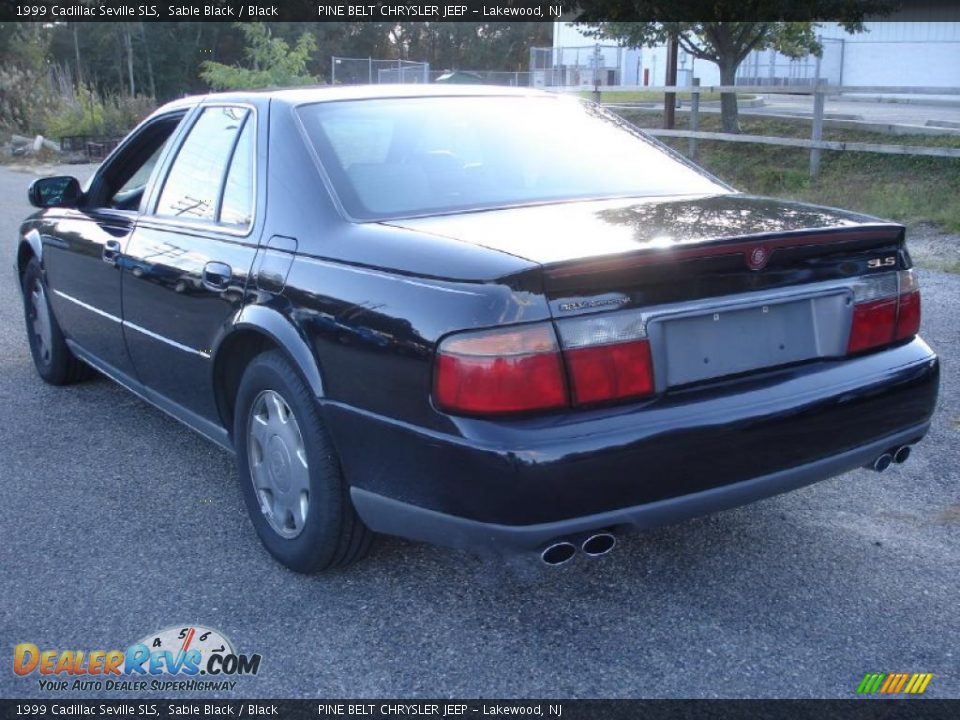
x: 51, y: 356
x: 290, y: 476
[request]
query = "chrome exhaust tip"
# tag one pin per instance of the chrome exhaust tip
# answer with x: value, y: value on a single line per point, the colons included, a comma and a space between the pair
x: 598, y: 544
x: 882, y: 462
x: 901, y: 454
x: 558, y: 553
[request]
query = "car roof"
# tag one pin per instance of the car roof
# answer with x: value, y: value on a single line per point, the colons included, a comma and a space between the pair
x: 330, y: 93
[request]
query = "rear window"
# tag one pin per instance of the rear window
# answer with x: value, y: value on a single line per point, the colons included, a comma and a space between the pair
x: 419, y: 156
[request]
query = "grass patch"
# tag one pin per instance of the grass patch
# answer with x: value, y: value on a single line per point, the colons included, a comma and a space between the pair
x: 906, y: 188
x: 950, y: 266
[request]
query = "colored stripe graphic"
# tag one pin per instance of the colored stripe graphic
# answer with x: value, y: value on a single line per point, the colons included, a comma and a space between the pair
x: 922, y: 684
x: 870, y: 683
x: 894, y: 683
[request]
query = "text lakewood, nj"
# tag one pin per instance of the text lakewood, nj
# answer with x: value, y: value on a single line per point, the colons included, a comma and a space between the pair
x: 440, y: 11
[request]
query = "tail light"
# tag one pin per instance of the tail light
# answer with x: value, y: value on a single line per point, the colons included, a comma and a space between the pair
x: 608, y: 357
x: 887, y: 309
x: 500, y: 371
x: 522, y: 369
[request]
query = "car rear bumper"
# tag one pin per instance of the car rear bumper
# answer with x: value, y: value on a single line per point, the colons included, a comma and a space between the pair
x: 516, y: 485
x: 393, y: 517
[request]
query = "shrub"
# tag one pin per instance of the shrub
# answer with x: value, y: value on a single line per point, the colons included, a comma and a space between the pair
x: 89, y: 113
x: 25, y: 99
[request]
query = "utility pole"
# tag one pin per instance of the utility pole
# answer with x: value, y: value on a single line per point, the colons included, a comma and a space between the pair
x: 670, y: 99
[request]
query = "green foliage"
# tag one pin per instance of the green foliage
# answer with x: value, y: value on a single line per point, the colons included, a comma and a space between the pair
x: 25, y: 91
x: 88, y: 113
x: 25, y: 98
x: 273, y: 62
x: 167, y: 58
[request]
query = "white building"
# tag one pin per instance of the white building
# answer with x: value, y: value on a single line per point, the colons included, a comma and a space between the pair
x: 917, y: 46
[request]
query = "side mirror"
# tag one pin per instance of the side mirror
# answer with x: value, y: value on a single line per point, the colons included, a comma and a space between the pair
x: 60, y: 191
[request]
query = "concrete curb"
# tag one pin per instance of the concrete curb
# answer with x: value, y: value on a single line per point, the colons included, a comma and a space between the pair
x: 940, y: 100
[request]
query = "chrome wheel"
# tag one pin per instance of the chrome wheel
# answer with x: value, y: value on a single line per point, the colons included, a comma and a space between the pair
x: 40, y: 322
x: 278, y: 464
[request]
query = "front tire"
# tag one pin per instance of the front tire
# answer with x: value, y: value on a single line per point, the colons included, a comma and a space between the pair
x: 51, y: 356
x: 290, y: 476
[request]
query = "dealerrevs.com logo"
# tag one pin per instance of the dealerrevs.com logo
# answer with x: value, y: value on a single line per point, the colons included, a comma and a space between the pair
x: 189, y: 658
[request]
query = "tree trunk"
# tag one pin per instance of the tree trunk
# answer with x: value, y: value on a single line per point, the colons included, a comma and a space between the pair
x: 729, y: 116
x: 146, y: 53
x: 128, y: 45
x: 76, y: 49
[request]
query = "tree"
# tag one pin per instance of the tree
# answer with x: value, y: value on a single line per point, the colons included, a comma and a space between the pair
x: 274, y: 63
x: 721, y: 40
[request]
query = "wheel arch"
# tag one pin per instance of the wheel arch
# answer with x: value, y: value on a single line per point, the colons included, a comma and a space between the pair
x: 255, y: 330
x: 30, y: 246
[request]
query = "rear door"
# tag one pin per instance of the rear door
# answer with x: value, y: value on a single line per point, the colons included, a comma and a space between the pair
x: 188, y: 261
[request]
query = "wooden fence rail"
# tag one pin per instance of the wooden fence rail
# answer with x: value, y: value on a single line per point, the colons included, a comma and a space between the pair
x: 802, y: 89
x: 815, y: 144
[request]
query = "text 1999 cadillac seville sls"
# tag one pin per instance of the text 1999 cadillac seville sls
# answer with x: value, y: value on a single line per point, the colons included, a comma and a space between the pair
x: 495, y: 320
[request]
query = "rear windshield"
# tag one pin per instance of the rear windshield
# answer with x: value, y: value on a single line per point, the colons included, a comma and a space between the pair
x: 419, y: 156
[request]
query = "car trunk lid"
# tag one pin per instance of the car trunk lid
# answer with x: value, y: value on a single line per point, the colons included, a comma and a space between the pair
x: 722, y: 285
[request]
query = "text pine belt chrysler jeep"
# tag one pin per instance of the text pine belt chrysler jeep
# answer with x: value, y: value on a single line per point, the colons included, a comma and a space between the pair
x: 497, y: 320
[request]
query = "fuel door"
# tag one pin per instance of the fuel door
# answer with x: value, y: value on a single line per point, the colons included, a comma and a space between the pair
x: 272, y: 264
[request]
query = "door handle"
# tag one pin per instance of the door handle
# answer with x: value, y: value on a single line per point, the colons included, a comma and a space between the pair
x: 111, y: 251
x: 216, y: 276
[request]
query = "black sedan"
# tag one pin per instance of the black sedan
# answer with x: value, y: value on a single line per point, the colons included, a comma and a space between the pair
x: 496, y: 320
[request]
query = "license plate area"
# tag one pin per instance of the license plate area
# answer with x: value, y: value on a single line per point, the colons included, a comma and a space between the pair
x: 720, y: 341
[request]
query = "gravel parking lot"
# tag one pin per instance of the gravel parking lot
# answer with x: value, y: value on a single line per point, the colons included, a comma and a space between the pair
x: 116, y: 522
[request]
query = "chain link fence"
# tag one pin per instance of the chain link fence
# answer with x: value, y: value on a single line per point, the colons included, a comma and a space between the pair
x: 368, y: 71
x: 583, y: 66
x: 485, y: 77
x: 768, y: 67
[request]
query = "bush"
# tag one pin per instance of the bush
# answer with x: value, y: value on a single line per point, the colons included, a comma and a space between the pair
x: 25, y: 99
x: 88, y: 113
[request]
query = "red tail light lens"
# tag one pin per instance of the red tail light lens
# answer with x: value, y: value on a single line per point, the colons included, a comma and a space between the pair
x: 873, y: 325
x: 521, y: 369
x: 500, y: 371
x: 887, y: 309
x: 610, y: 372
x: 908, y: 321
x: 608, y: 357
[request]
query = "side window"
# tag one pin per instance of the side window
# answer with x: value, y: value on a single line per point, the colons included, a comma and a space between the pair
x: 193, y: 183
x: 121, y: 183
x: 236, y: 209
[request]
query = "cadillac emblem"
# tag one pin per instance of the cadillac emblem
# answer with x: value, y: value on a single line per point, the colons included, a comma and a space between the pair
x: 758, y: 257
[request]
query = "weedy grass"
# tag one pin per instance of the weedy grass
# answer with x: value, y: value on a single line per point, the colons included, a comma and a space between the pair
x: 906, y: 188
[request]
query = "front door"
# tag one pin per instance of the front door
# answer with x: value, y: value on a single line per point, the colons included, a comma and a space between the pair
x: 186, y: 266
x: 83, y: 248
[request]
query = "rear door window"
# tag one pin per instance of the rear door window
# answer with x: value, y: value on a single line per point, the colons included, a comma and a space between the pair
x: 192, y: 190
x: 236, y: 209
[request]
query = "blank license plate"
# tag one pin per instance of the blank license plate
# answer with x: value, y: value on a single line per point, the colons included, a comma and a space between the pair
x: 726, y: 343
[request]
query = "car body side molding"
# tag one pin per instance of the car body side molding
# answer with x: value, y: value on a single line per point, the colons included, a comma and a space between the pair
x: 204, y: 427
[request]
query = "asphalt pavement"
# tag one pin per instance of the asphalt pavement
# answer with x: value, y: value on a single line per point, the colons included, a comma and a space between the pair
x: 909, y: 110
x: 116, y: 521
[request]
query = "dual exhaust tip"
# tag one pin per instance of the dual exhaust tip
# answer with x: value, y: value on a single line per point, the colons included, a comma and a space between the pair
x: 896, y: 455
x: 599, y: 544
x: 563, y: 551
